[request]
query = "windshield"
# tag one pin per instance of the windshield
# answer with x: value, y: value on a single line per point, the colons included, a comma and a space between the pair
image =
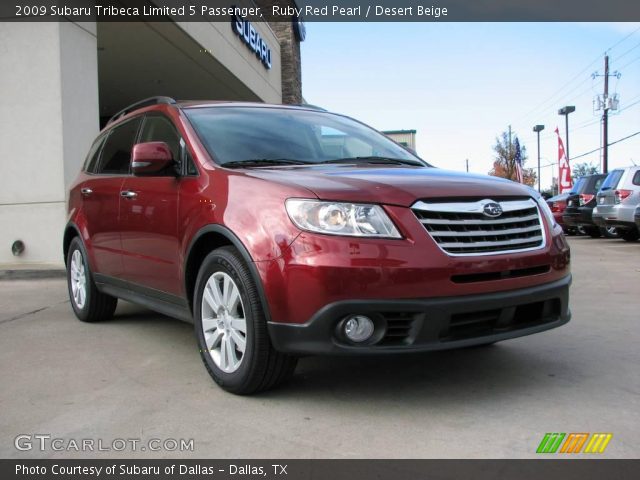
x: 280, y: 135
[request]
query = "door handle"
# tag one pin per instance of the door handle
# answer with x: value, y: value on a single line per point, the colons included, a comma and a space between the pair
x: 86, y: 191
x: 128, y: 194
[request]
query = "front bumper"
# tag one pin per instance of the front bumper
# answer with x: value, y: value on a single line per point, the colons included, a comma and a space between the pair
x: 410, y: 325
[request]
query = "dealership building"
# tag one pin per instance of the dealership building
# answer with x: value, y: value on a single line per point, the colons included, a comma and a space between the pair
x: 61, y: 81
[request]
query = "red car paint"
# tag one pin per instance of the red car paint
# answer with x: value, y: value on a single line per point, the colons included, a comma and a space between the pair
x: 146, y: 240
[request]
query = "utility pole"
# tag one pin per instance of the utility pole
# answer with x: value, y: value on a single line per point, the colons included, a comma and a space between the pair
x: 606, y: 104
x: 467, y: 165
x: 605, y: 119
x: 538, y: 129
x: 509, y: 156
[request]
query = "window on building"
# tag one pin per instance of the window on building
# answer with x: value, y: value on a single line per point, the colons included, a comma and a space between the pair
x: 116, y: 154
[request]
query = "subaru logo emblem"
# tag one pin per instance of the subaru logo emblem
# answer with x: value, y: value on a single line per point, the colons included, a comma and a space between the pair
x: 492, y: 209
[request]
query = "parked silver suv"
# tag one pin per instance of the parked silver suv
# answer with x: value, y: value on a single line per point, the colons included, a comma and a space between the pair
x: 617, y: 200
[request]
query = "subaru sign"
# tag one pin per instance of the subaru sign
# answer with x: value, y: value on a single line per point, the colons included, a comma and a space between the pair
x: 252, y: 39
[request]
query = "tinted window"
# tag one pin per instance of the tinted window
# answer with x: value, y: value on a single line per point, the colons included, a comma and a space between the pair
x: 116, y: 154
x: 244, y: 133
x: 636, y: 178
x: 579, y: 185
x: 191, y: 167
x: 612, y: 180
x: 598, y: 184
x: 94, y: 154
x: 160, y: 129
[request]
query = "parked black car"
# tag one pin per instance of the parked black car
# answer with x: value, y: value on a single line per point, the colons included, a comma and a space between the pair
x: 580, y: 204
x: 636, y: 216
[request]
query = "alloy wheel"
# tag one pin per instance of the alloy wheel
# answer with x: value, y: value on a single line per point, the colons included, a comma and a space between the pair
x: 78, y: 280
x: 223, y: 322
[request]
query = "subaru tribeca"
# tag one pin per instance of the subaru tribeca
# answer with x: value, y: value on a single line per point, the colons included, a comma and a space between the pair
x: 282, y: 231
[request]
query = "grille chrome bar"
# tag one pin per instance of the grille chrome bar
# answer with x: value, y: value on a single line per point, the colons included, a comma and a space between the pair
x: 480, y: 222
x: 487, y: 233
x: 499, y: 243
x: 472, y: 207
x: 463, y: 228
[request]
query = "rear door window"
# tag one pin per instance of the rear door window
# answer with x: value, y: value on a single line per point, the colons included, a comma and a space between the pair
x: 116, y: 154
x: 612, y: 180
x: 636, y: 178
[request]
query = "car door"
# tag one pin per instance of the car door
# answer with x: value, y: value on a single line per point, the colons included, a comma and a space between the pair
x: 107, y: 169
x: 149, y: 217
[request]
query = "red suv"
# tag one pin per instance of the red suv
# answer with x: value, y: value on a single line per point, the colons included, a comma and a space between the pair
x: 282, y: 231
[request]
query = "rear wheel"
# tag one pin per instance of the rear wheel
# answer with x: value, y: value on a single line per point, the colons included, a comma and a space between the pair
x: 88, y: 303
x: 609, y: 232
x: 231, y: 327
x: 593, y: 232
x: 630, y: 235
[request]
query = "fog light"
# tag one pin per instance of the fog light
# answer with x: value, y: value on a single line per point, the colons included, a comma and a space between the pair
x: 358, y: 328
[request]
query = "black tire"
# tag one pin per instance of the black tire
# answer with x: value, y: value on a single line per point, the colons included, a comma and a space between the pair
x: 609, y: 232
x: 593, y: 232
x: 261, y: 366
x: 97, y: 306
x: 630, y: 235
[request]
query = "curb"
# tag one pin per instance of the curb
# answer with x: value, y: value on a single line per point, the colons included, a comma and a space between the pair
x: 35, y: 274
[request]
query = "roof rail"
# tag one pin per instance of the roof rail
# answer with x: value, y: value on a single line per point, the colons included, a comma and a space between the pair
x: 142, y: 103
x: 310, y: 106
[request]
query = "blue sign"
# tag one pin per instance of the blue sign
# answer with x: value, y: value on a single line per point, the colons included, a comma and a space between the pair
x: 252, y: 39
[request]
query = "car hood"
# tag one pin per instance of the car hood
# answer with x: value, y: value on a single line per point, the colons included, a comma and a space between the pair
x: 388, y: 184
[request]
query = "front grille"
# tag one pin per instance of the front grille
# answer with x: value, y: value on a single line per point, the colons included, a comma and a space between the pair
x: 399, y: 327
x: 488, y: 322
x: 463, y: 227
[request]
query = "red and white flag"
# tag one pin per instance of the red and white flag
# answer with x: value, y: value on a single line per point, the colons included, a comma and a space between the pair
x: 565, y: 184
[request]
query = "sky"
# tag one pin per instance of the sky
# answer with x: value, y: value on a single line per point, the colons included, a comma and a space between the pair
x: 460, y: 85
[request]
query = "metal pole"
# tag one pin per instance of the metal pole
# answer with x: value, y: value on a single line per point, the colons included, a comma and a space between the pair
x: 467, y: 165
x: 538, y: 161
x: 566, y: 134
x: 605, y: 118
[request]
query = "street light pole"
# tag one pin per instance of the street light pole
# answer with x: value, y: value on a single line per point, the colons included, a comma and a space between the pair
x: 538, y: 129
x: 566, y: 111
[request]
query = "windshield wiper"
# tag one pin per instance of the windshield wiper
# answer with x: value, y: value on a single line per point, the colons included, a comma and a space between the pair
x: 377, y: 160
x: 261, y: 162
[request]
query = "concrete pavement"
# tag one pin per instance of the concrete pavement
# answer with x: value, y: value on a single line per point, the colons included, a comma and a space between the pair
x: 140, y: 376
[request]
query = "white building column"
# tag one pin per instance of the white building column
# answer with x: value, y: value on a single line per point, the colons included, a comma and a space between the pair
x: 48, y: 119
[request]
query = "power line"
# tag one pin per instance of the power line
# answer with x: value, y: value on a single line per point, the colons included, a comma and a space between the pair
x: 550, y: 100
x: 600, y: 148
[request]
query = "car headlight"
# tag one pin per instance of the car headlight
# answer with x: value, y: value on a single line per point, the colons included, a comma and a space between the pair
x: 336, y: 218
x: 544, y: 206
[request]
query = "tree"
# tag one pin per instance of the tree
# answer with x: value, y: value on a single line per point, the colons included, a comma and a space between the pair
x: 581, y: 169
x: 504, y: 164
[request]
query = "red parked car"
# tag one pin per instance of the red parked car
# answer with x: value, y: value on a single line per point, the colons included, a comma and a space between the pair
x: 282, y: 231
x: 558, y: 205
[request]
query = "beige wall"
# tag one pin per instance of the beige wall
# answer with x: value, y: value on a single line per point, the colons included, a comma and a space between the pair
x: 49, y: 117
x: 49, y: 113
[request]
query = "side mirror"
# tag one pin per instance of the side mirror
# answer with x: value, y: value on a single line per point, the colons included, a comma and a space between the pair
x: 151, y: 158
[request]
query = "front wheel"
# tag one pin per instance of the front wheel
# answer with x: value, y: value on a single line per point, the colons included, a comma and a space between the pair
x: 231, y: 327
x: 88, y: 303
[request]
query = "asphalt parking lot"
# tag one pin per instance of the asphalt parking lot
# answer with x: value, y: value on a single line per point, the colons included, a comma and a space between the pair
x: 140, y: 376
